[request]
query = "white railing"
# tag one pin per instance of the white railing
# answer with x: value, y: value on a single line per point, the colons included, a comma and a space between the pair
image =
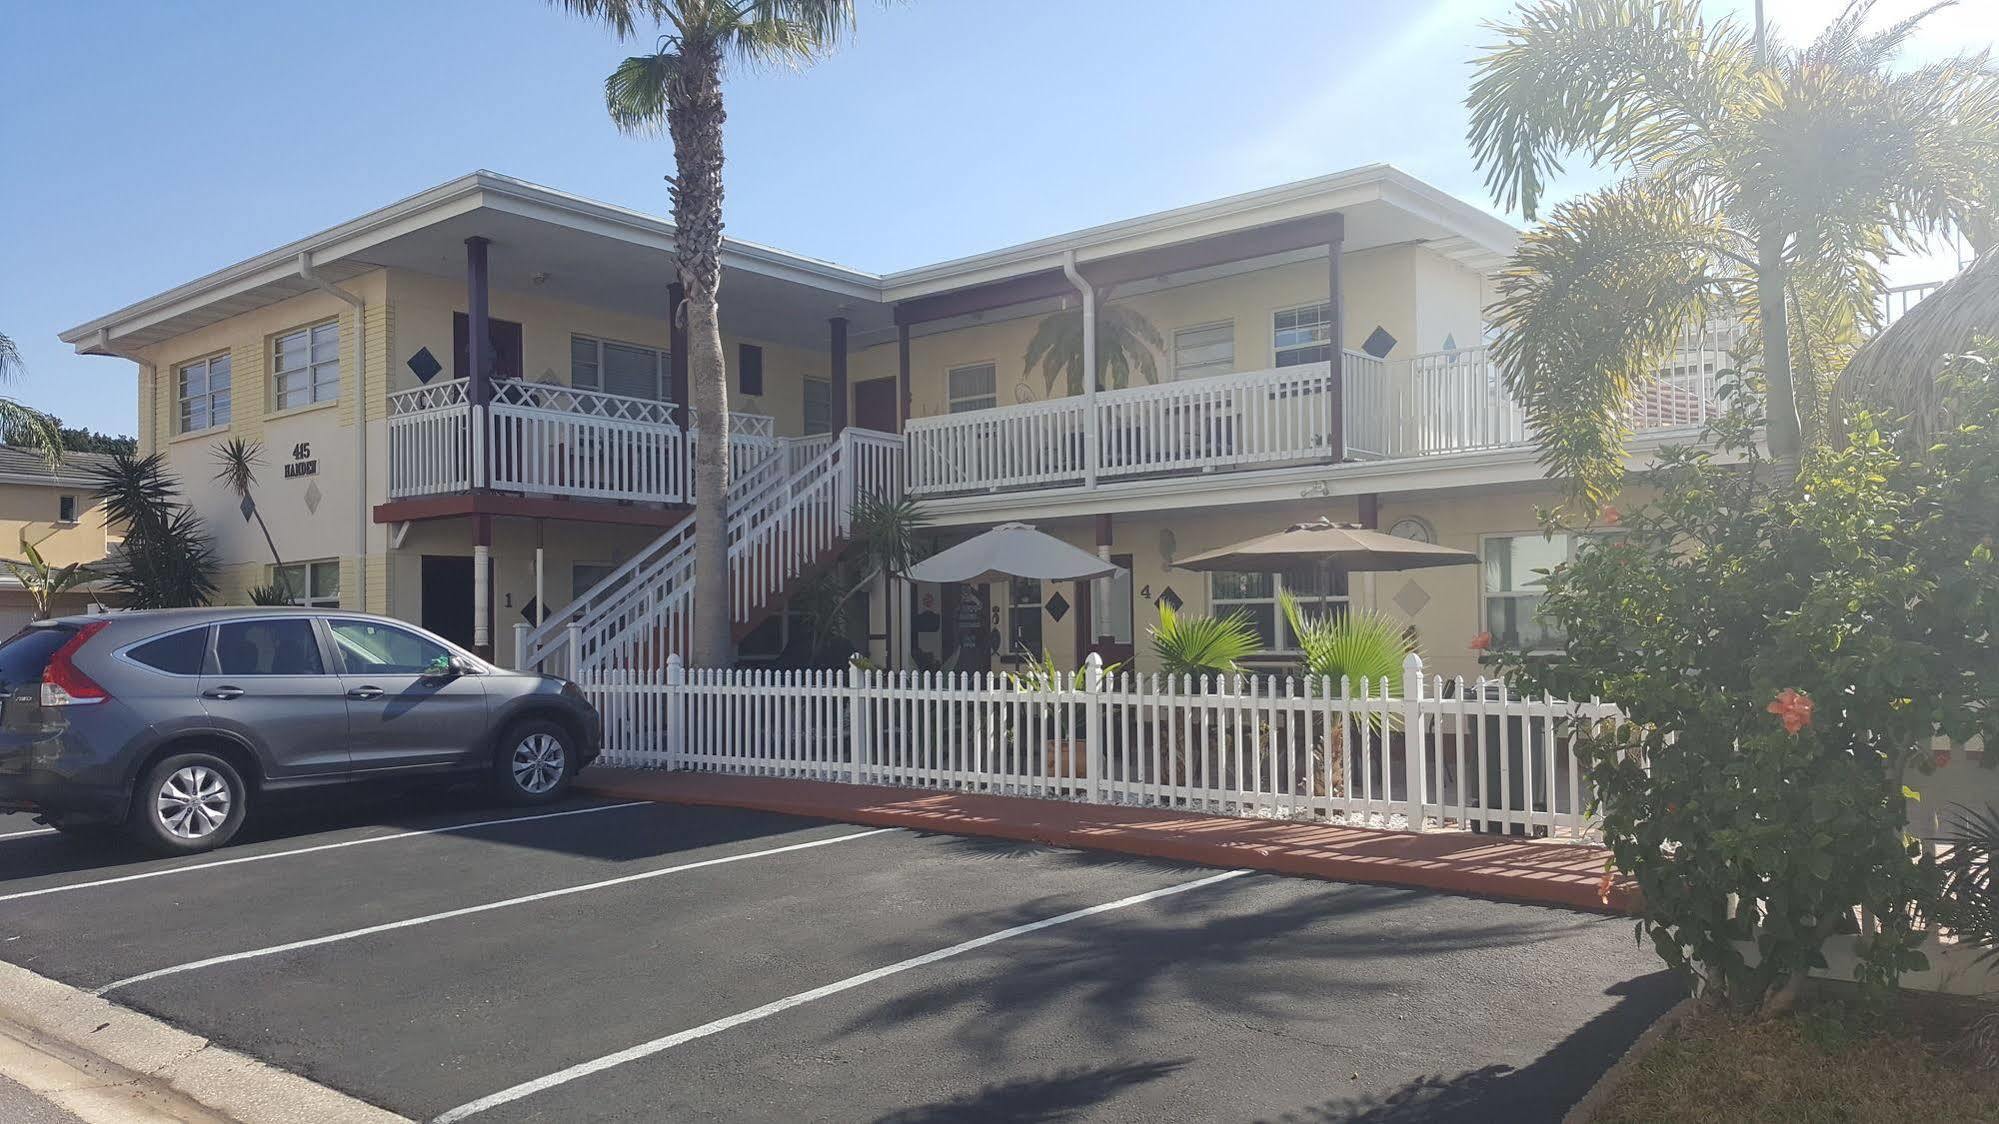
x: 780, y: 523
x: 1196, y: 425
x: 584, y: 443
x: 430, y: 441
x: 1448, y: 755
x: 552, y: 439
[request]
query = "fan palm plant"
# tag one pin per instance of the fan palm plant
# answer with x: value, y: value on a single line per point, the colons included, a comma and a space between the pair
x: 236, y: 461
x: 44, y: 582
x: 1199, y: 645
x: 1357, y: 646
x: 1765, y: 185
x: 1126, y: 341
x: 678, y: 88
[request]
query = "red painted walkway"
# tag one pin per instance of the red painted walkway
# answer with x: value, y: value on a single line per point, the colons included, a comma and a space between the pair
x: 1511, y: 869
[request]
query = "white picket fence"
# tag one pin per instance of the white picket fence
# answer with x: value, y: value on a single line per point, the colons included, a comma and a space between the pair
x: 1436, y: 754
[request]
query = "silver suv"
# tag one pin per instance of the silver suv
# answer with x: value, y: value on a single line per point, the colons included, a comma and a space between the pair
x: 173, y: 722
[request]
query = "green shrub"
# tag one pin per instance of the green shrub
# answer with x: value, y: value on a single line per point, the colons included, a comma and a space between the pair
x: 1197, y: 645
x: 1788, y: 654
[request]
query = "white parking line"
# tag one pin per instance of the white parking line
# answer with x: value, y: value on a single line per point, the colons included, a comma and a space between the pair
x: 25, y: 834
x: 467, y: 911
x: 659, y: 1045
x: 317, y: 847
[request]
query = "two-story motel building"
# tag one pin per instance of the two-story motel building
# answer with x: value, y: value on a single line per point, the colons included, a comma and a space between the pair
x: 1322, y: 357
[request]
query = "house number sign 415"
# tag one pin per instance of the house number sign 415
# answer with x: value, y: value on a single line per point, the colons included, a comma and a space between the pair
x: 303, y: 463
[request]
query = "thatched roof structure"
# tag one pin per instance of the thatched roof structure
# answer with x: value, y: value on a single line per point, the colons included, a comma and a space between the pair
x: 1898, y: 369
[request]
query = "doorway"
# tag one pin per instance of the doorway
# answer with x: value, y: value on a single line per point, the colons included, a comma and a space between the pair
x: 1111, y: 620
x: 875, y: 402
x: 447, y: 597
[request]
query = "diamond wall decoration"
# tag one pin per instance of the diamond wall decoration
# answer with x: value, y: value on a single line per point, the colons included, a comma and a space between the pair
x: 1169, y: 599
x: 1378, y: 343
x: 248, y: 507
x: 1057, y: 606
x: 1411, y: 599
x: 527, y: 611
x: 424, y: 365
x: 312, y: 497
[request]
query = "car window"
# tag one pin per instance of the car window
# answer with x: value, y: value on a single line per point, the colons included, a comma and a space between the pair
x: 179, y: 653
x: 373, y: 648
x: 272, y: 647
x: 24, y: 656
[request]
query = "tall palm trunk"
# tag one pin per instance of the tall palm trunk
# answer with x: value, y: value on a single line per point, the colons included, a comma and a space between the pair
x: 694, y: 118
x: 1785, y: 431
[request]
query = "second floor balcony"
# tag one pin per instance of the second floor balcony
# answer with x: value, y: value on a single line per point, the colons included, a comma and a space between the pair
x: 543, y: 439
x: 1423, y: 406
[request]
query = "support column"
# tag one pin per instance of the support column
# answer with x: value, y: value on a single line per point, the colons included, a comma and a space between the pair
x: 837, y: 366
x: 478, y: 357
x: 902, y: 376
x: 676, y: 350
x: 482, y: 586
x: 1336, y: 331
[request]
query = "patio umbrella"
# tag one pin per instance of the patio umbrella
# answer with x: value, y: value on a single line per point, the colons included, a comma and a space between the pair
x: 1010, y: 550
x: 1325, y: 545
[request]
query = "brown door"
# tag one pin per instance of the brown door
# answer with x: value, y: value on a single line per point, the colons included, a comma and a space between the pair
x: 875, y: 405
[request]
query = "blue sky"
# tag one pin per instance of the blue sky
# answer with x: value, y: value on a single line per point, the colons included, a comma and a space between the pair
x: 146, y: 144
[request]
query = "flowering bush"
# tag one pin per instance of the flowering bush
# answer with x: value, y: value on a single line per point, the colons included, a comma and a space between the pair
x: 1788, y: 653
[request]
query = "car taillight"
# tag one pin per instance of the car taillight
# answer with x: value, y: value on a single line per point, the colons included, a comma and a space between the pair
x: 62, y: 683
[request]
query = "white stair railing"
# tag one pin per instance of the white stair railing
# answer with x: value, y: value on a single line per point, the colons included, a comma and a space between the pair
x: 782, y: 520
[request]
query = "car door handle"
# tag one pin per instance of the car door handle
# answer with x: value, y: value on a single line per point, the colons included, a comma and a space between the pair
x: 223, y: 693
x: 365, y: 693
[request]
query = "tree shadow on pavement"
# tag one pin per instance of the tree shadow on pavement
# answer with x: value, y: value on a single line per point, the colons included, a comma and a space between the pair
x: 1061, y: 1095
x: 1493, y: 1094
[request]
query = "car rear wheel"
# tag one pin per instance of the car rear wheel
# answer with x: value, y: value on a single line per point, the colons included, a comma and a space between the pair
x: 537, y: 758
x: 188, y: 803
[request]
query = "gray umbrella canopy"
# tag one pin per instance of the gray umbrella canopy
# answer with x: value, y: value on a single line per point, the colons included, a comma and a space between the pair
x: 1010, y: 550
x: 1345, y: 547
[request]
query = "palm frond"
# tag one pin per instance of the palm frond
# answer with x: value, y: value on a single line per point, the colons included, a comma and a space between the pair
x: 1126, y: 343
x: 1629, y: 83
x: 636, y: 94
x: 1592, y: 303
x: 1200, y: 645
x: 623, y: 17
x: 790, y: 32
x: 236, y: 461
x: 1357, y: 645
x: 10, y: 358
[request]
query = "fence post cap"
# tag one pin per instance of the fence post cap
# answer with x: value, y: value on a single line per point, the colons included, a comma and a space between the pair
x: 674, y: 660
x: 1412, y: 662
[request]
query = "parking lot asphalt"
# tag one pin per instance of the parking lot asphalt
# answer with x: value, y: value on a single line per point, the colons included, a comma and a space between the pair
x: 604, y: 961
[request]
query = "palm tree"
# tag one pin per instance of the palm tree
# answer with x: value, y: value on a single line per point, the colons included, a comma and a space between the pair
x: 679, y: 87
x: 1761, y: 183
x: 236, y: 463
x: 24, y: 423
x: 1125, y: 343
x: 43, y: 582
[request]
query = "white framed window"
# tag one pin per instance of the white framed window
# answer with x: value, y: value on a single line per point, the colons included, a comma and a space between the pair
x: 630, y: 369
x: 818, y: 406
x: 1204, y: 350
x: 1301, y: 335
x: 1257, y: 597
x: 1512, y: 589
x: 312, y: 584
x: 972, y: 387
x: 66, y: 509
x: 306, y: 365
x: 203, y: 393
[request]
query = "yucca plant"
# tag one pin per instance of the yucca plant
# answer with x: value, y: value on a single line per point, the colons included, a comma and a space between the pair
x: 1203, y: 645
x: 236, y: 461
x: 272, y: 594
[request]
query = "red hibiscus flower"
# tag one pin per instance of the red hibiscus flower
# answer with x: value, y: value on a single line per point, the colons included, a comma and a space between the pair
x: 1794, y: 708
x: 1481, y: 642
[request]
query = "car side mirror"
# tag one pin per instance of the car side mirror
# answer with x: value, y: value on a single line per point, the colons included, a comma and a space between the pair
x: 462, y: 666
x: 443, y: 667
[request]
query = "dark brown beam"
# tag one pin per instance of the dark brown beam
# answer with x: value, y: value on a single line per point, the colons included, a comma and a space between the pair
x: 1337, y: 336
x: 478, y: 322
x: 460, y: 504
x: 837, y: 360
x: 676, y: 350
x: 984, y: 298
x: 902, y: 376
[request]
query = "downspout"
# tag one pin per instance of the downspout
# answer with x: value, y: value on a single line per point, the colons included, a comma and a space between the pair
x: 1089, y: 366
x: 311, y: 276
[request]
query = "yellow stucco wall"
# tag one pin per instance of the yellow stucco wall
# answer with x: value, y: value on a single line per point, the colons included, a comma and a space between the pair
x: 28, y: 516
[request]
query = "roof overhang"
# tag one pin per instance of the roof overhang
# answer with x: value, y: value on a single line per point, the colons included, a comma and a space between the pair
x: 563, y: 246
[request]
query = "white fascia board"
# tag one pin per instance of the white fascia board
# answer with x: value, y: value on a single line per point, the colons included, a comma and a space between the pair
x: 34, y: 480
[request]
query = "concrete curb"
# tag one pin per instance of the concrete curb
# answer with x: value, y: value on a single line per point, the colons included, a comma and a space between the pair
x: 1599, y: 1094
x: 112, y: 1065
x: 1513, y: 870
